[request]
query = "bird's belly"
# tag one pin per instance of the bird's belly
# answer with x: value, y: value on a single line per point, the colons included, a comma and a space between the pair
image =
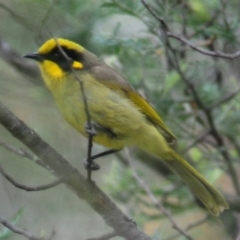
x: 116, y: 119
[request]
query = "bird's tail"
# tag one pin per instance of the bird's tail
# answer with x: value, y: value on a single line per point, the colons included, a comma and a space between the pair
x: 210, y: 197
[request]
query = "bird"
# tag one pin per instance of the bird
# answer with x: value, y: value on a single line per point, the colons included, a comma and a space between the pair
x: 121, y: 116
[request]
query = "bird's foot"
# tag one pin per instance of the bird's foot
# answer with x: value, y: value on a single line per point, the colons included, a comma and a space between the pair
x: 90, y: 165
x: 92, y: 128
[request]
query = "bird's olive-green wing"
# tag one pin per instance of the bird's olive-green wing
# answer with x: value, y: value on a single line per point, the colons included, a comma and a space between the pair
x: 114, y: 80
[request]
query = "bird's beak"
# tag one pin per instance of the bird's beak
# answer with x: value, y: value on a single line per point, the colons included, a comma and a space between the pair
x: 36, y: 56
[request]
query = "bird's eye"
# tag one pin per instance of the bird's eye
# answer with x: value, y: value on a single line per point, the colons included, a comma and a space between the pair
x: 56, y: 55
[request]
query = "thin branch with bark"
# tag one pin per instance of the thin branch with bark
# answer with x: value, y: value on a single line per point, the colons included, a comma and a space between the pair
x: 146, y: 188
x: 20, y: 231
x: 12, y: 57
x: 27, y: 188
x: 212, y: 126
x: 22, y: 153
x: 60, y: 167
x: 190, y: 226
x: 225, y: 99
x: 182, y: 39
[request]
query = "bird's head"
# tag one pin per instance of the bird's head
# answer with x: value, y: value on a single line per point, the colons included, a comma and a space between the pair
x: 57, y: 57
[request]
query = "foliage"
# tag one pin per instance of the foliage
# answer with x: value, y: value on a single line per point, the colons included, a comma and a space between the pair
x: 129, y: 38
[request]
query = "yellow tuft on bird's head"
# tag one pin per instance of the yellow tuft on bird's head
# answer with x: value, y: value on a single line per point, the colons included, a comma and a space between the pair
x: 52, y: 43
x: 58, y: 57
x: 55, y: 65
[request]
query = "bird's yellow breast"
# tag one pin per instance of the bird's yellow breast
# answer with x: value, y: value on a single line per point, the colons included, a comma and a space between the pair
x: 107, y: 108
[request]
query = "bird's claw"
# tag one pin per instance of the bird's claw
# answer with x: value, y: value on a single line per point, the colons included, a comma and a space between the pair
x: 90, y: 165
x: 91, y: 128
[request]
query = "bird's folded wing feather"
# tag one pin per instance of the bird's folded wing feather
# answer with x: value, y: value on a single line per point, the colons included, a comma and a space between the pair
x: 114, y: 80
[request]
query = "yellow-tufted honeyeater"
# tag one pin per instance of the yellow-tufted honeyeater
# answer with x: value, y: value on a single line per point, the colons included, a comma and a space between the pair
x: 122, y: 116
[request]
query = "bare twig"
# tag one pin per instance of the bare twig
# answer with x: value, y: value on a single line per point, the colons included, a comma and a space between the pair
x: 18, y: 18
x: 27, y: 188
x: 214, y: 132
x: 44, y: 20
x: 12, y: 57
x: 224, y: 5
x: 197, y: 140
x: 125, y: 9
x: 23, y: 153
x: 182, y: 39
x: 20, y: 231
x: 105, y: 237
x: 189, y: 227
x: 224, y: 99
x: 158, y: 204
x: 197, y: 223
x: 59, y: 167
x: 202, y: 50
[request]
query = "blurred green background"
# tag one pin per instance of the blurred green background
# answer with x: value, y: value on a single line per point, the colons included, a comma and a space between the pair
x: 129, y: 39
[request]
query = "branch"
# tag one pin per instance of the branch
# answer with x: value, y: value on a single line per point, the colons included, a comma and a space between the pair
x: 60, y: 167
x: 146, y: 188
x: 206, y: 25
x: 26, y: 188
x: 213, y: 130
x: 22, y: 153
x: 18, y: 18
x: 13, y: 58
x: 224, y: 99
x: 182, y: 39
x: 212, y: 126
x: 224, y: 5
x: 190, y: 226
x: 19, y: 230
x: 202, y: 50
x: 197, y: 140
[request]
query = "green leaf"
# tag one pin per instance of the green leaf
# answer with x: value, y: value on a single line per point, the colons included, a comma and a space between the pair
x: 6, y: 232
x: 172, y: 78
x: 200, y: 10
